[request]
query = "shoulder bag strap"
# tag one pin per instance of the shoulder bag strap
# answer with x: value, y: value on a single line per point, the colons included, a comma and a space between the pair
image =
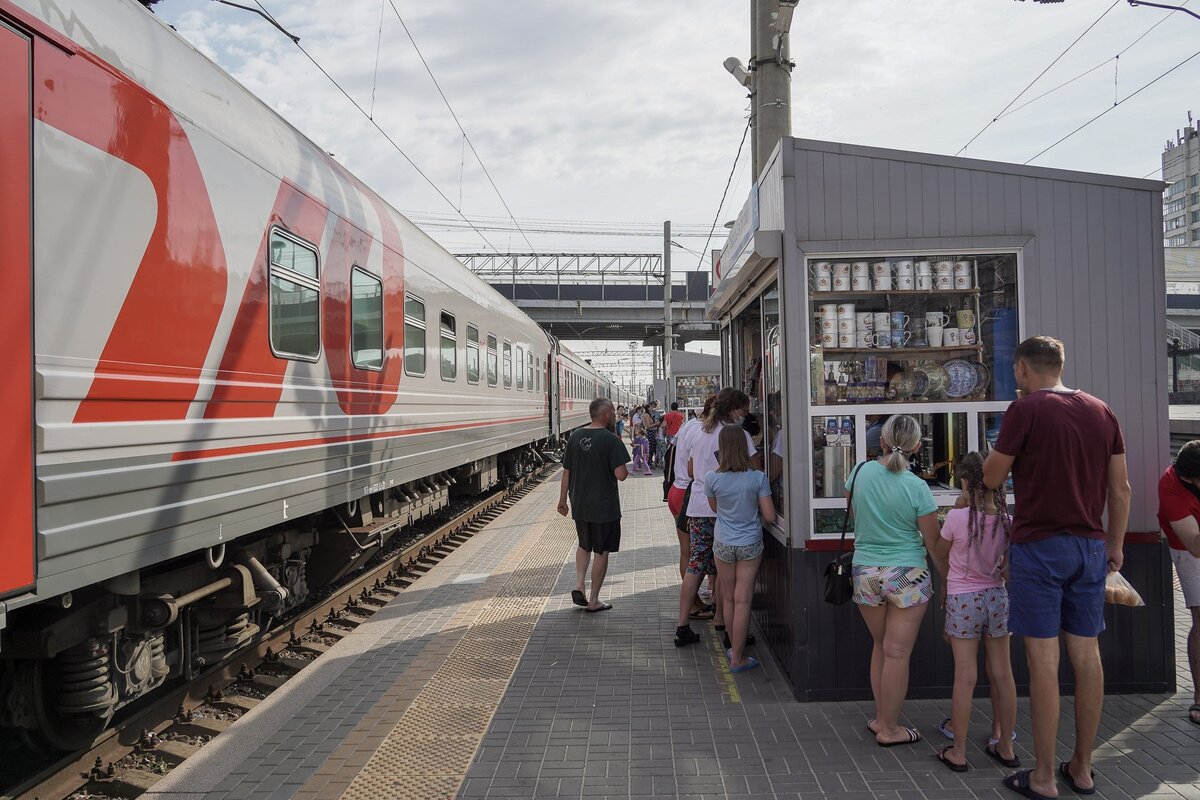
x: 849, y: 500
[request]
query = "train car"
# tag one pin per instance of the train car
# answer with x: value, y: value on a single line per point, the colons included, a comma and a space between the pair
x: 233, y: 370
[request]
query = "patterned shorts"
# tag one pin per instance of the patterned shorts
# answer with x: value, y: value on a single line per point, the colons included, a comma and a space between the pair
x: 700, y: 542
x: 729, y: 553
x: 903, y: 587
x: 977, y: 614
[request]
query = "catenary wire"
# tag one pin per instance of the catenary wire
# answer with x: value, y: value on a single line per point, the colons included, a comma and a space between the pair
x: 1039, y: 76
x: 729, y: 180
x: 384, y: 133
x: 1133, y: 94
x: 470, y: 144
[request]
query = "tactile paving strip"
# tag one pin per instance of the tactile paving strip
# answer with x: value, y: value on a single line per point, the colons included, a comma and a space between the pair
x: 427, y: 754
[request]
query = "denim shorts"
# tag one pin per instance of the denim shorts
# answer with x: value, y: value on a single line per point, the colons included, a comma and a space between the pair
x: 730, y: 553
x: 1057, y: 584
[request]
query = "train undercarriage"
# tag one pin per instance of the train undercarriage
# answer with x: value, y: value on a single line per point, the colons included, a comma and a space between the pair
x: 68, y: 664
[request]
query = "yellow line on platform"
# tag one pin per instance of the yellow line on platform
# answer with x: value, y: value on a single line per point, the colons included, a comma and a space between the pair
x: 723, y: 673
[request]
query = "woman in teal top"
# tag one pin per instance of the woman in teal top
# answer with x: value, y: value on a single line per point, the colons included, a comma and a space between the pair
x: 895, y: 526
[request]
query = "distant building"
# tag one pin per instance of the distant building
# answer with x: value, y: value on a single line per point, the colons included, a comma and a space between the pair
x: 1181, y: 199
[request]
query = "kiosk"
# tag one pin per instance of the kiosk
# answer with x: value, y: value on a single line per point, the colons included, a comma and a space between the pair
x: 859, y: 283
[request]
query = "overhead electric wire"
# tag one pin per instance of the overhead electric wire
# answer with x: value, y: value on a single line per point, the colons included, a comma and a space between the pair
x: 1039, y: 76
x: 470, y: 144
x: 1133, y: 94
x: 384, y: 133
x: 728, y: 181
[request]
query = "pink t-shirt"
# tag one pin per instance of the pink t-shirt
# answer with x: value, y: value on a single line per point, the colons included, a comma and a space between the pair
x: 974, y: 566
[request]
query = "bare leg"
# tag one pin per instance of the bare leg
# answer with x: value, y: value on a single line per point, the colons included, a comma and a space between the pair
x: 727, y: 580
x: 684, y: 550
x: 582, y: 557
x: 1084, y: 652
x: 742, y: 591
x: 876, y: 618
x: 1042, y: 656
x: 900, y: 633
x: 718, y: 598
x: 1193, y: 644
x: 1004, y: 692
x: 966, y: 674
x: 599, y: 570
x: 687, y: 592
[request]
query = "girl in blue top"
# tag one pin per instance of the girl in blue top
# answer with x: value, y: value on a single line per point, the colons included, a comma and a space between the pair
x: 741, y: 496
x: 895, y: 526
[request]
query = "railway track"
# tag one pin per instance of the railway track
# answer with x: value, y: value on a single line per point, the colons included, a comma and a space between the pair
x: 131, y: 756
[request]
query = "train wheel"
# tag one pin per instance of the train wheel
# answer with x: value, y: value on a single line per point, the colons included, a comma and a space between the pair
x: 72, y: 701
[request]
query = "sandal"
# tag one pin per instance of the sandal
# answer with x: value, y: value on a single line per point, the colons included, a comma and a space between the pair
x: 702, y: 613
x: 1064, y: 772
x: 994, y: 754
x: 685, y: 636
x: 598, y: 609
x: 751, y: 663
x: 914, y: 736
x: 940, y: 755
x: 1019, y: 783
x: 578, y: 597
x: 1193, y: 710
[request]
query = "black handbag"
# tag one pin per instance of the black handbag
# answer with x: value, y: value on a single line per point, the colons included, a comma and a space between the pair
x: 839, y: 586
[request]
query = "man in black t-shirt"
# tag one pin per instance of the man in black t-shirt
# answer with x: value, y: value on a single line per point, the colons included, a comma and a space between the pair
x: 593, y: 463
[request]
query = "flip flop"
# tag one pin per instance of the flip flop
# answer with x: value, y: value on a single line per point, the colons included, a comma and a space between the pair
x: 752, y: 662
x: 603, y: 607
x: 578, y: 597
x: 944, y: 729
x: 1019, y: 783
x: 705, y: 613
x: 1191, y: 711
x: 994, y: 754
x: 914, y: 736
x: 1064, y: 772
x: 940, y: 755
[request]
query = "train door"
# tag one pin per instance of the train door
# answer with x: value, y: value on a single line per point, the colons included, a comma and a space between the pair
x: 16, y: 314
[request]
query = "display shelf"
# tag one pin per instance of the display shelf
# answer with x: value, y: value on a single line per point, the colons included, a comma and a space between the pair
x: 817, y: 297
x: 904, y: 351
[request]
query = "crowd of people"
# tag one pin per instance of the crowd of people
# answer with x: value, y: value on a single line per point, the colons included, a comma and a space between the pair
x: 1038, y: 572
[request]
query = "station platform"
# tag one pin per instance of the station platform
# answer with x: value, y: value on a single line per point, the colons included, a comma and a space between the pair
x: 483, y: 680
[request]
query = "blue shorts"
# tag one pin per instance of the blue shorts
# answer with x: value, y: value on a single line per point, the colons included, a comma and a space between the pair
x: 1057, y: 584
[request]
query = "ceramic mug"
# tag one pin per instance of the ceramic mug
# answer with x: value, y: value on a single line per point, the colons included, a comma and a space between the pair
x: 846, y: 340
x: 864, y: 321
x: 883, y: 339
x: 900, y: 338
x: 883, y: 283
x: 881, y: 269
x: 935, y: 319
x: 899, y: 320
x: 962, y: 281
x: 883, y: 321
x: 841, y: 268
x: 861, y: 283
x: 944, y: 268
x: 829, y: 310
x: 845, y: 310
x: 905, y: 283
x: 962, y: 268
x: 924, y: 282
x: 953, y: 337
x: 823, y: 269
x: 860, y: 269
x: 904, y: 268
x: 965, y: 318
x: 824, y: 283
x: 829, y: 339
x: 841, y: 283
x: 968, y: 335
x: 845, y: 325
x: 944, y: 282
x: 864, y: 340
x: 934, y: 334
x: 829, y: 324
x: 924, y: 268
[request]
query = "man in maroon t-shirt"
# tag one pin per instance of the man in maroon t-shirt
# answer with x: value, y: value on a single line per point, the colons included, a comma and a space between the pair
x: 1067, y: 457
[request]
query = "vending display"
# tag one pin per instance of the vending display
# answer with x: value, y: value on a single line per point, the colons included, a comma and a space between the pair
x: 692, y: 390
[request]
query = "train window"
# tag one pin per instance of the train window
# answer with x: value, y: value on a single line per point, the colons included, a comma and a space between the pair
x: 449, y: 341
x: 366, y: 320
x: 520, y: 367
x: 414, y: 335
x: 531, y: 386
x: 507, y: 356
x: 295, y: 310
x: 491, y: 360
x: 472, y: 354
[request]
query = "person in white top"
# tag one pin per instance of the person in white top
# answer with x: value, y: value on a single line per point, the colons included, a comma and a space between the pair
x: 677, y: 498
x: 700, y: 451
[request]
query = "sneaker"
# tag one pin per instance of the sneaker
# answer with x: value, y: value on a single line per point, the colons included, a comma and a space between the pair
x: 685, y: 636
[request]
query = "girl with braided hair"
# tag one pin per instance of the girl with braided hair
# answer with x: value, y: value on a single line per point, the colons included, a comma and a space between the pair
x: 974, y: 539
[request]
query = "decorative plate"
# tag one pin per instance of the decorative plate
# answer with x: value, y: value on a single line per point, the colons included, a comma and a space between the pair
x: 984, y: 379
x: 939, y: 380
x: 900, y: 387
x: 963, y: 378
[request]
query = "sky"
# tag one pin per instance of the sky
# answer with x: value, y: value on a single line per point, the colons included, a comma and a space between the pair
x: 613, y: 116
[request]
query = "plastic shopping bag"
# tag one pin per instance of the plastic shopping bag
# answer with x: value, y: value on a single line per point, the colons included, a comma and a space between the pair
x: 1119, y: 591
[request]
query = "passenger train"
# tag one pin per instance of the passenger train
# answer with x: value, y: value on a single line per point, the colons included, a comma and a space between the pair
x: 233, y: 371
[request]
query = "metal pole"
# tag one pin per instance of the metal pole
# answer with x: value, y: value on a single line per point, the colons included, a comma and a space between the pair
x: 668, y: 333
x: 770, y: 87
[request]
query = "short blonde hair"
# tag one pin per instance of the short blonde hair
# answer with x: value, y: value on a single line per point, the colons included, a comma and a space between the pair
x: 732, y: 453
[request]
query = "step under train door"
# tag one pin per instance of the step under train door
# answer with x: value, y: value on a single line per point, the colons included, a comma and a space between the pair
x: 16, y: 313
